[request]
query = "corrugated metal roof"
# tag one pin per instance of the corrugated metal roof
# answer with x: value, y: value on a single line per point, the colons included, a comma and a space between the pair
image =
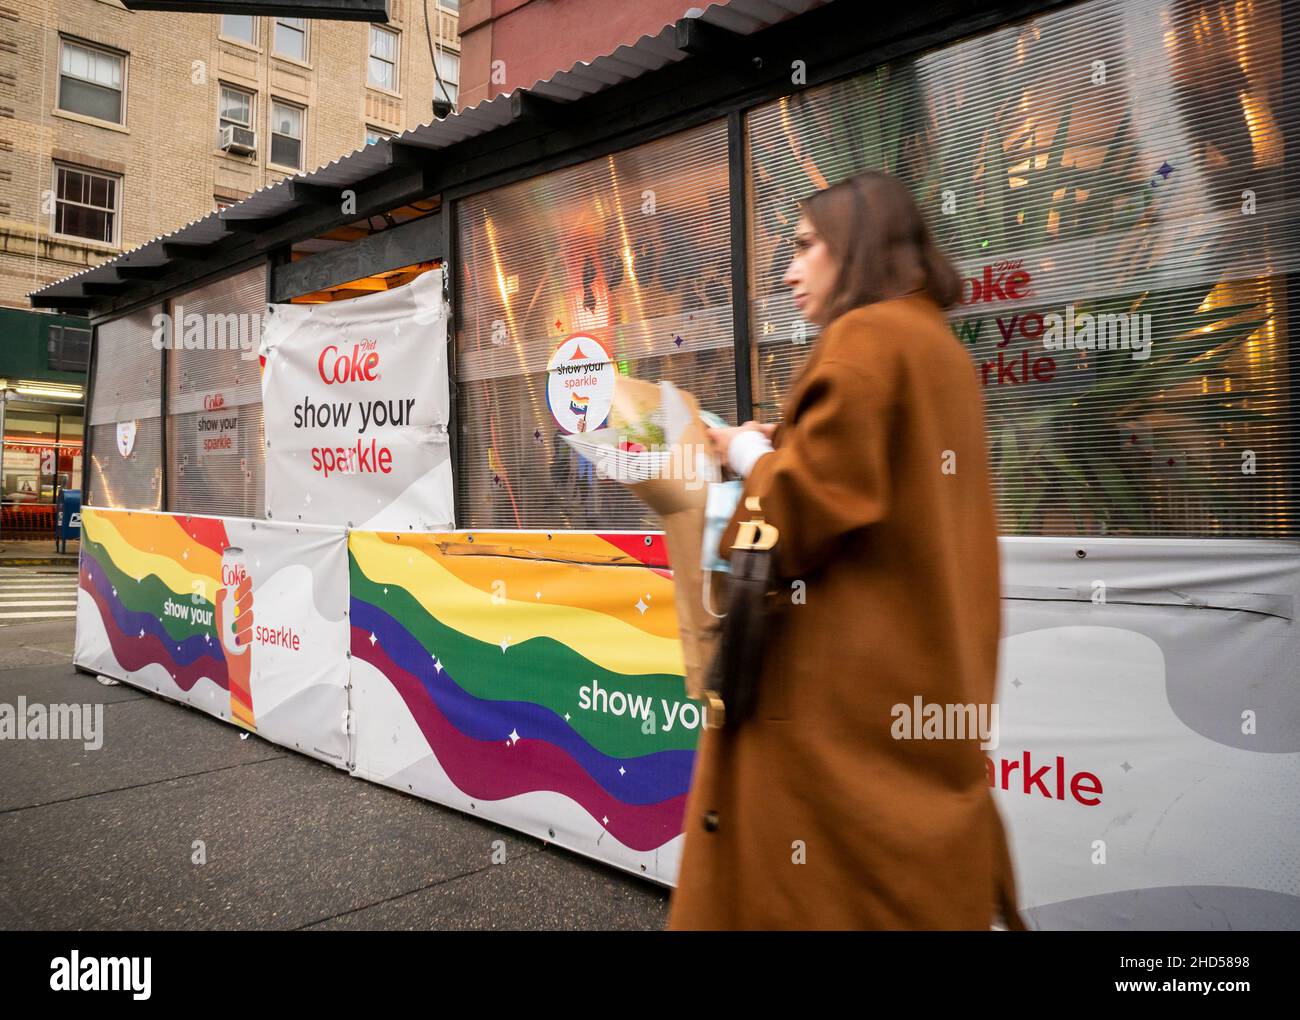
x: 649, y: 53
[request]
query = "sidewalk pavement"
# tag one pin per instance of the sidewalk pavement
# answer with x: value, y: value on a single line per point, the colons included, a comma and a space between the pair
x: 109, y: 838
x: 43, y: 553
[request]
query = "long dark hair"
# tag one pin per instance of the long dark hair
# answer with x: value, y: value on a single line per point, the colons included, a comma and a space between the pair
x: 884, y: 249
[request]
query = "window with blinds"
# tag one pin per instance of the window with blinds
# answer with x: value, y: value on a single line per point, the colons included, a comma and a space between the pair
x: 125, y: 427
x: 632, y: 249
x: 215, y: 443
x: 1110, y: 180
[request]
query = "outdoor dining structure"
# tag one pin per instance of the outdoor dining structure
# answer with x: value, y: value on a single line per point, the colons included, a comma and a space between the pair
x: 329, y: 498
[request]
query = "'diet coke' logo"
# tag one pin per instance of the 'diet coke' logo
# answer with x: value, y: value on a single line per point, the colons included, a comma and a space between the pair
x: 232, y: 573
x: 1003, y: 281
x: 213, y: 401
x: 360, y: 366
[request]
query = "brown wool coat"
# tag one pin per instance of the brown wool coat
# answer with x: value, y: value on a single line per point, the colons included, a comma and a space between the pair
x: 899, y: 562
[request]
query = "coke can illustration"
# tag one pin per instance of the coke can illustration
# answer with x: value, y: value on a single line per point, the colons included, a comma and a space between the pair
x: 235, y: 620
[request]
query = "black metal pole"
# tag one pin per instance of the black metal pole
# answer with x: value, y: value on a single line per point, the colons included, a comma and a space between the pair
x: 740, y: 265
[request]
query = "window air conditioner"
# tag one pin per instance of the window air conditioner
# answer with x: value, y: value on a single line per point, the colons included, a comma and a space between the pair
x: 238, y: 139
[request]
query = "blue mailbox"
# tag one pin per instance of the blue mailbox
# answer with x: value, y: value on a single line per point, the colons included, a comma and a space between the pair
x: 69, y: 522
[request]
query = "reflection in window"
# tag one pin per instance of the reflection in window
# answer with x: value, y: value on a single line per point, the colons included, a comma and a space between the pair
x: 633, y: 250
x: 1126, y: 321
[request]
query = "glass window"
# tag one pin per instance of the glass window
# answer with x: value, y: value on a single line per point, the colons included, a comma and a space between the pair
x: 383, y: 58
x: 239, y: 26
x: 374, y: 134
x: 215, y: 439
x: 68, y: 349
x: 90, y: 81
x: 125, y: 426
x: 631, y: 250
x: 448, y: 66
x: 450, y: 5
x: 85, y: 204
x: 291, y: 37
x: 1124, y: 308
x: 286, y: 135
x: 236, y: 107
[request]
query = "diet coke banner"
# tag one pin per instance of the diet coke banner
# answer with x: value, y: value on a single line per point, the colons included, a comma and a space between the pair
x: 356, y: 404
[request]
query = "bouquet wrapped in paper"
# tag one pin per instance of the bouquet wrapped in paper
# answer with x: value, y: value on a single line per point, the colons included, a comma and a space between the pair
x: 655, y: 444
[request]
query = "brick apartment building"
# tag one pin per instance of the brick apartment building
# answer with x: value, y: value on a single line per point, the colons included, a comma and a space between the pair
x: 116, y: 127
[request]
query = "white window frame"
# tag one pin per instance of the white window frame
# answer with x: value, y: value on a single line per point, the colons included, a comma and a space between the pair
x: 221, y: 29
x: 222, y: 86
x: 272, y: 132
x: 115, y: 240
x: 306, y: 39
x: 452, y: 85
x: 395, y: 62
x: 121, y: 57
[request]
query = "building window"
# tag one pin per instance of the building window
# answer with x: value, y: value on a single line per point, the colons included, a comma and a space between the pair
x: 91, y: 81
x: 1156, y: 401
x: 286, y: 135
x: 374, y: 134
x: 240, y: 26
x: 236, y: 108
x: 450, y: 5
x: 383, y: 58
x: 68, y: 349
x: 448, y: 67
x: 86, y: 204
x: 291, y: 38
x: 556, y: 259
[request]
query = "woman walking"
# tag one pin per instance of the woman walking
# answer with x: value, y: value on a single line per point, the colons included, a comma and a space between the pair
x: 822, y: 811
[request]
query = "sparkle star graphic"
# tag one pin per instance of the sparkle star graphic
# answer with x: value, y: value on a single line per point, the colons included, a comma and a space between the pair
x: 566, y: 716
x: 514, y: 736
x: 679, y: 341
x: 605, y: 820
x: 1165, y: 170
x: 436, y: 664
x: 505, y: 643
x: 373, y: 639
x: 1126, y: 766
x: 622, y: 771
x: 641, y: 606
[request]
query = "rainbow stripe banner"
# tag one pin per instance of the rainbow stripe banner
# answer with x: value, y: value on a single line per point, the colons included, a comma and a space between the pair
x: 529, y: 678
x: 242, y: 619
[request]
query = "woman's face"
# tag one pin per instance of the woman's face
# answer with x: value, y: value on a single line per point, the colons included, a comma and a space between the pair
x: 812, y: 273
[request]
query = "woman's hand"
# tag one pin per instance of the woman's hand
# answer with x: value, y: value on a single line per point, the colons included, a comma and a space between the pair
x: 721, y: 438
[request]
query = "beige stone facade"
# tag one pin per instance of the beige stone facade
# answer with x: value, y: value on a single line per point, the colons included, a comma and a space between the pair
x: 165, y: 154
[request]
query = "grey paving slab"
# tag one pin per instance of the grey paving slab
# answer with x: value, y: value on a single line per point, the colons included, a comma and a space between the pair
x: 146, y: 740
x: 542, y: 891
x: 288, y: 842
x: 61, y: 684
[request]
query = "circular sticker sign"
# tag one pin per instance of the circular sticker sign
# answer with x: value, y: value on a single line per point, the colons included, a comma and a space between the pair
x: 580, y: 384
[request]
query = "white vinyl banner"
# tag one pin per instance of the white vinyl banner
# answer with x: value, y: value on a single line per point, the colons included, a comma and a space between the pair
x: 1149, y: 752
x: 245, y: 620
x: 356, y: 403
